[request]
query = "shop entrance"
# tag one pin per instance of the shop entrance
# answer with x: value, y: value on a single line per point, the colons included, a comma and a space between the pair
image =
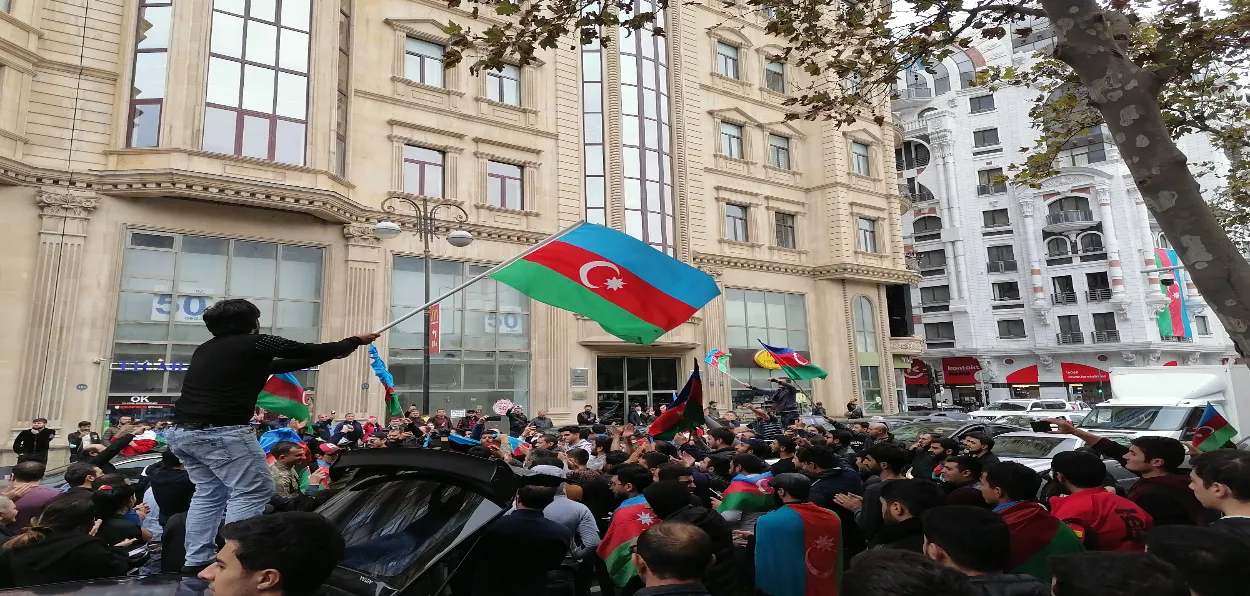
x: 624, y: 382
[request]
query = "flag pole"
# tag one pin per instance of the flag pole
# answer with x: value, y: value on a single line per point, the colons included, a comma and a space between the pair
x: 726, y: 373
x: 483, y: 275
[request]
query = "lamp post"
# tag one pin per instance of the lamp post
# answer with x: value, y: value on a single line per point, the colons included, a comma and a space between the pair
x: 426, y: 228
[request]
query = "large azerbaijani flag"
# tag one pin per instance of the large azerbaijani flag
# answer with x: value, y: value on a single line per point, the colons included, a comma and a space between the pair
x: 1173, y: 321
x: 388, y: 381
x: 797, y: 367
x: 748, y: 493
x: 802, y: 544
x: 1036, y: 535
x: 633, y: 291
x: 628, y: 521
x: 685, y: 413
x: 282, y: 394
x: 1213, y: 430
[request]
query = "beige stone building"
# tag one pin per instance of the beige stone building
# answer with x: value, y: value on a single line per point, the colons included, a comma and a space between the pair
x: 158, y: 155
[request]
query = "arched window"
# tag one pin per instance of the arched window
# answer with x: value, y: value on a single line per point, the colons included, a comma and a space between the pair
x: 925, y: 113
x: 865, y: 325
x: 941, y: 80
x: 1057, y: 247
x: 1161, y: 241
x: 927, y: 225
x: 1071, y: 203
x: 1092, y: 242
x: 967, y: 72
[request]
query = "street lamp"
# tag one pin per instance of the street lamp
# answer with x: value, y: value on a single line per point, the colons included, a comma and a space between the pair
x: 426, y: 229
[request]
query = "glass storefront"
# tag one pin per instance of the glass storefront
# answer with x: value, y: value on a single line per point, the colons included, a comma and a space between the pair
x: 169, y: 280
x: 623, y: 383
x: 776, y: 318
x: 484, y: 338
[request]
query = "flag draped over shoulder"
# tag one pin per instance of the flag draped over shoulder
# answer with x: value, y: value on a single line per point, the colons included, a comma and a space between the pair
x: 628, y: 521
x: 388, y: 382
x: 748, y: 494
x: 796, y: 366
x: 798, y: 551
x: 282, y: 394
x: 1035, y: 536
x: 685, y: 413
x: 1213, y: 430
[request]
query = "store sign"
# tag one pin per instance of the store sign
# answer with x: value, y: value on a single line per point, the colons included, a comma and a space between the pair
x: 1025, y: 376
x: 579, y: 377
x: 918, y: 374
x: 508, y: 323
x: 1082, y: 373
x: 186, y: 309
x: 139, y: 401
x: 763, y: 359
x: 435, y: 331
x: 960, y: 370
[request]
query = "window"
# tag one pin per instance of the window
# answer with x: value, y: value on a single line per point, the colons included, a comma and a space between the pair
x: 147, y: 94
x: 1104, y: 321
x: 860, y: 162
x: 257, y: 97
x: 1161, y: 241
x: 776, y: 318
x: 981, y: 103
x: 779, y: 152
x: 504, y: 186
x: 1073, y: 204
x: 731, y: 140
x: 996, y: 218
x: 423, y: 62
x: 1092, y: 243
x: 1001, y: 259
x: 1069, y: 324
x: 775, y: 76
x: 927, y: 225
x: 786, y: 236
x: 727, y: 59
x: 646, y: 156
x: 939, y: 331
x: 1011, y: 329
x: 865, y: 325
x: 504, y: 85
x: 5, y: 5
x: 870, y: 387
x: 1006, y: 290
x: 1065, y: 292
x: 423, y: 171
x: 941, y: 79
x: 343, y: 88
x: 736, y: 222
x: 1057, y: 247
x: 967, y: 71
x: 593, y: 144
x: 990, y: 182
x: 931, y: 259
x: 484, y: 338
x: 168, y: 280
x: 935, y: 294
x: 1201, y: 325
x: 867, y: 238
x: 1099, y: 286
x: 985, y: 138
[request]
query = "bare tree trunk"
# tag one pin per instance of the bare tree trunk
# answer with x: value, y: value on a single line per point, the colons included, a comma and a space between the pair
x: 1127, y: 97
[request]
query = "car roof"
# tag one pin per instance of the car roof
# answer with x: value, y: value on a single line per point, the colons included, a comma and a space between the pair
x: 1029, y: 433
x: 493, y: 478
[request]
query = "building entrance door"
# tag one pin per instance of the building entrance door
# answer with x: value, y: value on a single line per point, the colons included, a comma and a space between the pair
x: 625, y: 382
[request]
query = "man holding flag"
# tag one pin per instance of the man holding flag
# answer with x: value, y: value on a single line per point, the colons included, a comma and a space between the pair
x: 211, y: 434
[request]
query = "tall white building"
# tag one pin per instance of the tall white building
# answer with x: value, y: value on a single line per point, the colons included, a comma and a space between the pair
x: 1042, y: 290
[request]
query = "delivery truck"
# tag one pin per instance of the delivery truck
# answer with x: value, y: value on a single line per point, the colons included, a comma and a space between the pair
x: 1169, y: 400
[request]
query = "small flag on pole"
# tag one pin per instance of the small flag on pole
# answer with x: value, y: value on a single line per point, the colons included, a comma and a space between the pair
x: 718, y: 359
x: 282, y: 394
x: 686, y: 411
x: 1213, y: 430
x: 388, y: 381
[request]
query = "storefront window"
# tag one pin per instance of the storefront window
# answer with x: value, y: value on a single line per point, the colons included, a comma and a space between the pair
x: 169, y: 280
x: 778, y: 319
x: 484, y: 338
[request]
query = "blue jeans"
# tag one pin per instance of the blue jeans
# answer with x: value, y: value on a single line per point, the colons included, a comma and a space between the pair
x: 231, y: 477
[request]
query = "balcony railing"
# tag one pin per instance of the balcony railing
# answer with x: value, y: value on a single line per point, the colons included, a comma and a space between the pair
x: 1000, y: 266
x: 991, y: 189
x: 1106, y: 337
x: 914, y: 93
x: 1178, y: 339
x: 927, y: 236
x: 1098, y: 295
x: 1074, y: 337
x: 1078, y: 216
x: 1063, y: 298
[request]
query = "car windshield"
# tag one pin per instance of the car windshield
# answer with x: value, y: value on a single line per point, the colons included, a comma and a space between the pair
x: 398, y: 525
x: 908, y: 433
x: 1015, y: 420
x: 1029, y: 447
x: 1007, y: 406
x: 1136, y: 417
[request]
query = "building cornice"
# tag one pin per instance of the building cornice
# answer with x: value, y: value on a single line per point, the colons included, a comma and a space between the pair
x: 454, y: 113
x: 850, y: 271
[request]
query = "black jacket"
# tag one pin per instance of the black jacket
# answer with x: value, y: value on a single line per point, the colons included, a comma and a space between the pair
x: 904, y: 535
x: 517, y: 421
x: 525, y: 573
x: 173, y: 490
x: 586, y: 418
x: 830, y: 483
x: 1168, y: 499
x: 783, y: 398
x: 674, y: 590
x: 28, y: 441
x: 60, y: 557
x: 722, y: 578
x: 1007, y: 584
x: 76, y: 443
x: 1238, y: 527
x: 104, y: 459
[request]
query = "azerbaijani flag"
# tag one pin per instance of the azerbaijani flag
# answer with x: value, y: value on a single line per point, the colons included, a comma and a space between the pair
x: 798, y: 551
x: 388, y: 382
x: 1035, y: 536
x: 633, y: 291
x: 628, y: 521
x: 282, y: 394
x: 1213, y: 430
x: 685, y: 413
x: 718, y: 359
x: 1173, y: 321
x: 142, y: 443
x: 797, y: 367
x: 748, y: 494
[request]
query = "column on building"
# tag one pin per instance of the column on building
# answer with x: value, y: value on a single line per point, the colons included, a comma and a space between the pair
x: 64, y: 216
x: 1109, y: 240
x: 1027, y: 205
x: 1147, y: 245
x: 364, y: 263
x: 716, y: 385
x: 947, y: 200
x: 550, y: 361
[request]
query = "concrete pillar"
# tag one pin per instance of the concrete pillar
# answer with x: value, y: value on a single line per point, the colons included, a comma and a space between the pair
x: 1148, y: 246
x: 360, y: 314
x: 1035, y: 262
x: 717, y: 386
x: 1113, y: 246
x: 948, y: 204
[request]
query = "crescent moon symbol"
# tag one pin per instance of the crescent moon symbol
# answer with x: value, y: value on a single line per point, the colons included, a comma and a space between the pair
x: 592, y: 265
x: 807, y: 561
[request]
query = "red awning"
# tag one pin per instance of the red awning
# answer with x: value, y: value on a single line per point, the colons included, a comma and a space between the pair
x: 1024, y: 376
x: 918, y: 374
x: 1083, y: 373
x: 960, y: 370
x: 1171, y: 363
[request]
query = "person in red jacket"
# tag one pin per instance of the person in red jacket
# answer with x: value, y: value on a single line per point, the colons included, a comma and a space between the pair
x: 1103, y: 520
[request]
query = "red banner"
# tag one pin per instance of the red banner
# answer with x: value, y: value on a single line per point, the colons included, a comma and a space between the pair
x: 1082, y: 373
x: 918, y: 374
x: 960, y: 370
x: 435, y: 344
x: 1024, y: 376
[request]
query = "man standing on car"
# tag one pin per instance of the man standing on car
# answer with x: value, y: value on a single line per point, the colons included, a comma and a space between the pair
x: 784, y: 399
x: 211, y: 434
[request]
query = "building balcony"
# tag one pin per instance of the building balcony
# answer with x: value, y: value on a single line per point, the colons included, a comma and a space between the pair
x: 1063, y: 298
x: 991, y: 189
x: 939, y: 343
x: 943, y: 306
x: 911, y: 97
x: 1074, y: 337
x: 1067, y: 221
x: 1178, y: 339
x: 1098, y: 295
x: 907, y: 346
x: 1106, y: 337
x: 1001, y: 267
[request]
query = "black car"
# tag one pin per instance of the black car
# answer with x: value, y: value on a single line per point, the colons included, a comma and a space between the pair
x: 410, y: 518
x: 953, y: 429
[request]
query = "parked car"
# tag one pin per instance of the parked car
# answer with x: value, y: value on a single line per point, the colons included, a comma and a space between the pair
x: 1009, y: 407
x: 1026, y: 418
x: 954, y: 429
x: 1036, y: 450
x: 134, y: 467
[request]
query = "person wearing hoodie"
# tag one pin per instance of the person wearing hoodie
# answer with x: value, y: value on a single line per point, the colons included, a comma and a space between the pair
x: 1163, y: 491
x: 830, y: 475
x: 60, y: 547
x: 976, y: 542
x: 1010, y: 488
x: 171, y: 487
x: 670, y: 499
x: 902, y: 504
